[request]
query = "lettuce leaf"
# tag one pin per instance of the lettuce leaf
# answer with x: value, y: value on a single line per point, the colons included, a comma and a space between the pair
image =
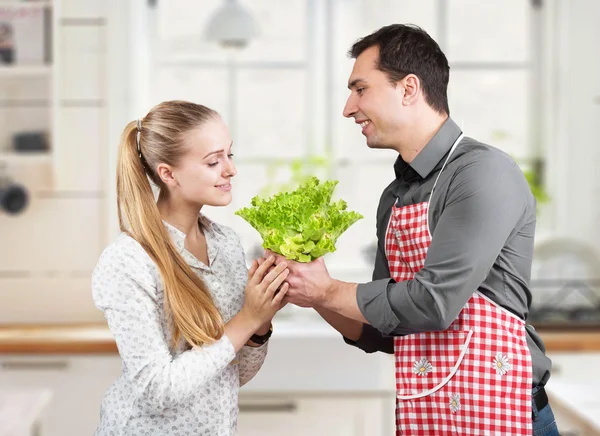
x: 301, y: 225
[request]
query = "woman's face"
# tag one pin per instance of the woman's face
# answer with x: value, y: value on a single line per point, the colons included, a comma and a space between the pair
x: 203, y: 176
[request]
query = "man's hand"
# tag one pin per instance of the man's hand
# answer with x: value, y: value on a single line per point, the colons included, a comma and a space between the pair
x: 310, y: 283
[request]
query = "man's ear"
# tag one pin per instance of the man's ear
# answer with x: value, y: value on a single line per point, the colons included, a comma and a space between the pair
x: 412, y: 88
x: 165, y: 173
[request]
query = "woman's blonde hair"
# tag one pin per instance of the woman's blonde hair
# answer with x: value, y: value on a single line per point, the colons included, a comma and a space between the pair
x: 188, y: 302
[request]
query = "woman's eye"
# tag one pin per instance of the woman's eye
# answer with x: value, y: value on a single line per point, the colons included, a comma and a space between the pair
x: 213, y: 164
x: 230, y: 155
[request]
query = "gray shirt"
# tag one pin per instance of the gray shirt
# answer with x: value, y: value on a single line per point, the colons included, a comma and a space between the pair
x: 482, y: 219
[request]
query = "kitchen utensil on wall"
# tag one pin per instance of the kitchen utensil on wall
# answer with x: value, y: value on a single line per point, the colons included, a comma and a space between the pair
x: 13, y: 197
x: 30, y: 141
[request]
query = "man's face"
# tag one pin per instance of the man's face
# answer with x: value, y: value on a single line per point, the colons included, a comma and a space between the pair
x: 374, y: 102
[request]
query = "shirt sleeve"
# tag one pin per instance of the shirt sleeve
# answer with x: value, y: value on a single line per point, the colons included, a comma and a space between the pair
x: 485, y: 203
x: 251, y: 359
x: 372, y: 340
x: 124, y: 289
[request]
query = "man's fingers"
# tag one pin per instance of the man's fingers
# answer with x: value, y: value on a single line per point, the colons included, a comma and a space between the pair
x: 278, y: 257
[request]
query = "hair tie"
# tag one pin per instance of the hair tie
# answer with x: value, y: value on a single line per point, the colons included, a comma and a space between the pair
x: 138, y: 136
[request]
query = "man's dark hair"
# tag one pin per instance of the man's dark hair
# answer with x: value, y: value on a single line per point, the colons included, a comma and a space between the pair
x: 408, y: 49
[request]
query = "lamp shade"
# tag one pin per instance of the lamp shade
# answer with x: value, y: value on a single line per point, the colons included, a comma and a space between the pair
x: 232, y: 25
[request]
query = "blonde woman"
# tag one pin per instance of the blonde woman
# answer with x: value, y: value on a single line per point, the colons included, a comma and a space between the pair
x: 190, y: 321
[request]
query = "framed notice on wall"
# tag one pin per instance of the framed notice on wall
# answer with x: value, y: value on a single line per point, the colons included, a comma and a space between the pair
x: 22, y: 35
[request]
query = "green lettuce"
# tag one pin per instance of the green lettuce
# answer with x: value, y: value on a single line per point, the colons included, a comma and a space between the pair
x: 301, y: 225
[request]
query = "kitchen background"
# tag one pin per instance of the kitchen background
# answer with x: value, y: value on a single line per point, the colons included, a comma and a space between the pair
x: 524, y: 78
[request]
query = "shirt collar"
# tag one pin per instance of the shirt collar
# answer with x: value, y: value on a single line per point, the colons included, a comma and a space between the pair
x: 178, y: 238
x: 431, y: 155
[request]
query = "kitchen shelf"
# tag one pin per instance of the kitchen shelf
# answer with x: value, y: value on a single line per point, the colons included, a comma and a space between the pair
x: 24, y: 70
x: 26, y: 4
x: 14, y: 158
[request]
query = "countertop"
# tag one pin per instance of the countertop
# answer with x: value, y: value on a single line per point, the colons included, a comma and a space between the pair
x: 97, y: 339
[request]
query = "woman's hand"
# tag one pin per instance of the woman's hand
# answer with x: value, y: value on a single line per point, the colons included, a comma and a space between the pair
x: 265, y: 290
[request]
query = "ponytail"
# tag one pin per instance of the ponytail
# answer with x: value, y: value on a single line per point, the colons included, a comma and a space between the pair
x: 188, y: 302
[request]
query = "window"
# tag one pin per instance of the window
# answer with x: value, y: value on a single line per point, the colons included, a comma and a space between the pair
x: 283, y: 95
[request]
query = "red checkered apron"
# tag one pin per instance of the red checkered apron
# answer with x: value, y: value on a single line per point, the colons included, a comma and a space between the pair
x: 473, y: 378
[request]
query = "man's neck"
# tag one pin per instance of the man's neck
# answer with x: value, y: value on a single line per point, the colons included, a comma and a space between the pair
x: 420, y: 135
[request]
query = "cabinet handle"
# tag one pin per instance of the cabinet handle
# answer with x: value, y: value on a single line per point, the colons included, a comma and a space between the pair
x: 28, y: 365
x: 268, y: 408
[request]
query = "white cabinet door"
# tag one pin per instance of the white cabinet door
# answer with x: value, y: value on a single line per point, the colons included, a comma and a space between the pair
x: 572, y: 390
x: 340, y: 416
x: 77, y: 384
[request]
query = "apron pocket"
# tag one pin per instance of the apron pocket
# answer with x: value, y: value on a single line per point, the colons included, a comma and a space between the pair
x: 425, y: 362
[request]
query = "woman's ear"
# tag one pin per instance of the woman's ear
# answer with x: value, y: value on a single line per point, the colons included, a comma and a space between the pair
x: 412, y: 87
x: 165, y: 174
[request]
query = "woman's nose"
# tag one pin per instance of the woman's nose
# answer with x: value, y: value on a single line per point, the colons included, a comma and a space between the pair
x: 230, y: 169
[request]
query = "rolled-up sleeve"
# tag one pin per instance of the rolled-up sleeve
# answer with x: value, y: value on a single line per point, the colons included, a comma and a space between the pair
x: 125, y: 291
x: 486, y: 200
x: 371, y: 339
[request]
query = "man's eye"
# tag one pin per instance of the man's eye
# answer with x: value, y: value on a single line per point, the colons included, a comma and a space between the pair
x: 360, y: 90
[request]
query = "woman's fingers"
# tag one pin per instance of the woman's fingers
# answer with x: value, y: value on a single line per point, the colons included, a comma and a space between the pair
x: 278, y: 298
x: 276, y: 283
x: 252, y: 269
x: 273, y: 274
x: 259, y: 274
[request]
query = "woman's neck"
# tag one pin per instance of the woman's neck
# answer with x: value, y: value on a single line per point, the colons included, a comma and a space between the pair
x: 183, y: 217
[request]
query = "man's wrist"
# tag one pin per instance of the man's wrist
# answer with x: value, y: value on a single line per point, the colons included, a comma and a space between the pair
x: 333, y: 292
x: 341, y: 298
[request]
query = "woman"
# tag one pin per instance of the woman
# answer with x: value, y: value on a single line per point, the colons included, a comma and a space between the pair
x: 190, y: 322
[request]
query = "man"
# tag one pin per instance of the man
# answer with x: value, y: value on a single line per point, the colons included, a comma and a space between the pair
x: 455, y: 230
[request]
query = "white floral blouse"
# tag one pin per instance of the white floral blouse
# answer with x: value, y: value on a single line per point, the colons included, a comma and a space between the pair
x: 160, y: 392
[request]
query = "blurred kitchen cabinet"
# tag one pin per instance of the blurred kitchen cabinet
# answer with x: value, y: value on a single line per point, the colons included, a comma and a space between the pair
x: 573, y: 393
x: 574, y: 153
x: 82, y: 63
x: 82, y: 150
x: 63, y: 239
x: 316, y: 416
x: 575, y: 367
x: 35, y: 96
x: 58, y: 112
x: 77, y: 384
x: 78, y: 9
x: 80, y: 116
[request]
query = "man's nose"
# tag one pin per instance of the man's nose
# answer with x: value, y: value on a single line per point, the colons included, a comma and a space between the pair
x: 350, y: 107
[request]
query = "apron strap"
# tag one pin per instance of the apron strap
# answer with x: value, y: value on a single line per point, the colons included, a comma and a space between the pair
x: 440, y: 173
